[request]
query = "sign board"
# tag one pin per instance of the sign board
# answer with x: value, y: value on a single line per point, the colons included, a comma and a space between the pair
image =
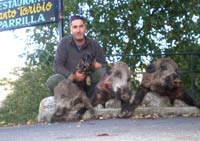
x: 22, y: 13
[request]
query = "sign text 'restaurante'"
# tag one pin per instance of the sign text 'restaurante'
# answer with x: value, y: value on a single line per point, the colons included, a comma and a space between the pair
x: 22, y: 13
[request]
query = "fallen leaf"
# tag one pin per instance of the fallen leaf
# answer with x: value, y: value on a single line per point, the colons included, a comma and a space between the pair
x: 104, y: 134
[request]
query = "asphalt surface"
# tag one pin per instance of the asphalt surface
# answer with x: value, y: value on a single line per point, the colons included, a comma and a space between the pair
x: 160, y: 129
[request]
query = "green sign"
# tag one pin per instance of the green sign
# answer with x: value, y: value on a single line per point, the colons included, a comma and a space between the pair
x: 22, y: 13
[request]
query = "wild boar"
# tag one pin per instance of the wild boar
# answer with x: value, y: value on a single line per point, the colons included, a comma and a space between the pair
x: 67, y: 95
x: 115, y: 83
x: 162, y: 77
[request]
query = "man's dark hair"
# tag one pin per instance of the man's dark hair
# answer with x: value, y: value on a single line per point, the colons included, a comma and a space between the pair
x: 76, y: 17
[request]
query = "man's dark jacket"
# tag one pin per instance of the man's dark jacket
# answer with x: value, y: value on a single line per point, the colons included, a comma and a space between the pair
x: 68, y: 55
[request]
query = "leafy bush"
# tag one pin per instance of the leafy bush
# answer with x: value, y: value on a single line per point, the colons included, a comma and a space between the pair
x: 22, y: 104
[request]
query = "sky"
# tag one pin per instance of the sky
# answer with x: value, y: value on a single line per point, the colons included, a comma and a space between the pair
x: 11, y: 46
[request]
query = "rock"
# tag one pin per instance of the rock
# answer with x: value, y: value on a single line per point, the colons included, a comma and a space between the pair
x: 87, y: 116
x: 154, y: 100
x: 113, y: 103
x: 152, y: 104
x: 179, y: 103
x: 47, y: 109
x: 98, y: 107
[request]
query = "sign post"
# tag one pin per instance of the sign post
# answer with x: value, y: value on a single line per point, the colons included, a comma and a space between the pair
x: 61, y: 21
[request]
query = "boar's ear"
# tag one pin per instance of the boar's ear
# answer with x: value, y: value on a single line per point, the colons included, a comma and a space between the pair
x: 150, y: 68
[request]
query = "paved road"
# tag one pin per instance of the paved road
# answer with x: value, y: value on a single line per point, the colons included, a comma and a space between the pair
x: 162, y: 129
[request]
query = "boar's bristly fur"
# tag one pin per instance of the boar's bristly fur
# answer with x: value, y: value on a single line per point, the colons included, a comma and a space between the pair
x: 162, y: 78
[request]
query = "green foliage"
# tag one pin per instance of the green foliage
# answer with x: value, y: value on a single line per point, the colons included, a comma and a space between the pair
x: 41, y: 44
x: 22, y: 103
x: 122, y: 27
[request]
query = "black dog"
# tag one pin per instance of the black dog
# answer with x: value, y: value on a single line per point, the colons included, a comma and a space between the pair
x: 85, y: 67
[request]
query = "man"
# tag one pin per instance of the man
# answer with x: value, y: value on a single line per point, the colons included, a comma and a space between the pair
x: 69, y: 52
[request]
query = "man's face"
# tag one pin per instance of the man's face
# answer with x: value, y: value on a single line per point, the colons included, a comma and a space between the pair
x: 78, y: 28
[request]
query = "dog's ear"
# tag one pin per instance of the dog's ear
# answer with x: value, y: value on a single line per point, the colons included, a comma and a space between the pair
x: 80, y: 64
x: 88, y: 58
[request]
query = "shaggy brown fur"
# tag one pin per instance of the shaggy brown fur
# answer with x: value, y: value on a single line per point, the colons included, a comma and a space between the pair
x: 67, y: 95
x: 162, y: 77
x: 114, y: 84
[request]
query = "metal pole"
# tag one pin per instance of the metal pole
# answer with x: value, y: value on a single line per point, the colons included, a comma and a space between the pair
x: 192, y: 73
x: 61, y: 20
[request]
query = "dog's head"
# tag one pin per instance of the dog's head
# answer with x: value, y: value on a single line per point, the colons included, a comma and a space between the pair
x: 85, y: 64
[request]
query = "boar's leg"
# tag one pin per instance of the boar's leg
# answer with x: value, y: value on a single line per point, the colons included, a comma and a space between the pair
x: 87, y: 106
x: 94, y: 97
x: 80, y: 112
x: 188, y: 99
x: 139, y: 96
x: 125, y: 110
x: 125, y: 104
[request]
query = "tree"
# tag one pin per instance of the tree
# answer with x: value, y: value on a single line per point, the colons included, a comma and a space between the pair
x: 131, y: 27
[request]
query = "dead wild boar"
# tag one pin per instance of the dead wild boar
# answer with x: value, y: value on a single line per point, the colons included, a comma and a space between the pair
x: 67, y: 95
x: 162, y: 78
x: 115, y: 83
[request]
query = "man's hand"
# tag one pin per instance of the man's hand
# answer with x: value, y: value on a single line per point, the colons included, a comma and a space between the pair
x: 96, y: 65
x: 78, y: 76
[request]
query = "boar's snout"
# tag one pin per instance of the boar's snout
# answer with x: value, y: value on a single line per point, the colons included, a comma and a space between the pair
x: 125, y: 97
x: 173, y: 81
x: 60, y: 109
x: 123, y: 94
